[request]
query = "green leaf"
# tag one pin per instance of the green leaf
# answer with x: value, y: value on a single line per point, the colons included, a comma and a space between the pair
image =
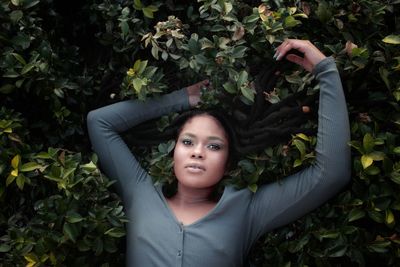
x: 10, y: 179
x: 27, y: 68
x: 395, y: 177
x: 376, y: 216
x: 323, y: 12
x: 142, y: 66
x: 124, y: 28
x: 230, y: 88
x: 247, y: 165
x: 153, y: 8
x: 115, y: 232
x: 372, y: 170
x: 301, y: 147
x: 71, y: 231
x: 242, y: 78
x: 5, y: 248
x: 30, y: 166
x: 356, y: 214
x: 7, y: 88
x: 19, y: 58
x: 397, y: 150
x: 291, y: 22
x: 137, y: 4
x: 148, y: 12
x: 73, y: 217
x: 384, y: 73
x: 23, y: 40
x: 376, y: 155
x: 368, y: 143
x: 247, y: 93
x: 329, y: 234
x: 20, y: 181
x: 379, y: 246
x: 238, y: 51
x: 16, y: 2
x: 125, y: 11
x: 392, y: 39
x: 29, y: 4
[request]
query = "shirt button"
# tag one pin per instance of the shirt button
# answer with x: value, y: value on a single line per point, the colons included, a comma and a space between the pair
x: 179, y: 253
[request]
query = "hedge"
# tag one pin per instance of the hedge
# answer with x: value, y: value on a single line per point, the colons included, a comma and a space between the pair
x: 59, y: 60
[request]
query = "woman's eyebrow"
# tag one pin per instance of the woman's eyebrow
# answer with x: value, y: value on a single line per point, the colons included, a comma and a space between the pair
x: 210, y: 138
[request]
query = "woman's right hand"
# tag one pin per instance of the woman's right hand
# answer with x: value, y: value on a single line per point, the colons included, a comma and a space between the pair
x: 194, y: 92
x: 311, y: 54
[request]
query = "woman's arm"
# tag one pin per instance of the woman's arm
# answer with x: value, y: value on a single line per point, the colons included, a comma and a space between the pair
x: 277, y: 204
x: 105, y: 124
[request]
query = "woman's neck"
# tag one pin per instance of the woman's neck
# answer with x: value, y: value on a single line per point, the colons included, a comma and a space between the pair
x: 193, y: 196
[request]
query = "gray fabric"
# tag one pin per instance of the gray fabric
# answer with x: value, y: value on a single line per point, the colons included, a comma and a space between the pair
x: 225, y: 235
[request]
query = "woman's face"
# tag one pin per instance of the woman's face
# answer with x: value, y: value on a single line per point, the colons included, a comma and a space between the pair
x: 201, y: 152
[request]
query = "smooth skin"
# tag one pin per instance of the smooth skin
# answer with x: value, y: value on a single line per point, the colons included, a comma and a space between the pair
x: 200, y: 158
x: 202, y: 148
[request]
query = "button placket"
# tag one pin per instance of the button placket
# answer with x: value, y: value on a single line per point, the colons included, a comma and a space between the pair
x: 179, y: 253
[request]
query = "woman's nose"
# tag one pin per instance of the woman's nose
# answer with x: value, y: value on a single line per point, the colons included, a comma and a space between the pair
x: 198, y: 152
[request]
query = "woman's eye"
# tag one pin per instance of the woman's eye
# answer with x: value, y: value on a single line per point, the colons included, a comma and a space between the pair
x: 214, y: 147
x: 186, y: 142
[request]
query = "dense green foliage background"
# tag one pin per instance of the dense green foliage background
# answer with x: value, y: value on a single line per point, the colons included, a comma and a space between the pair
x: 60, y: 59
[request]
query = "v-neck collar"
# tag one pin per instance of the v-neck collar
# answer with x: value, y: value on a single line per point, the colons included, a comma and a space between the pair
x: 198, y: 221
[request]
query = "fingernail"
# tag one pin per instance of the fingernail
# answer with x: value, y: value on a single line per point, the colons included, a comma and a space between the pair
x: 277, y: 55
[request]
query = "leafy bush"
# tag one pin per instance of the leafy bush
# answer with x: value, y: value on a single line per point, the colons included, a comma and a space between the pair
x: 60, y: 60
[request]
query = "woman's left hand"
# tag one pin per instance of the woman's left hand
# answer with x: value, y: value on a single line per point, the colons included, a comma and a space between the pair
x: 194, y: 91
x: 311, y: 54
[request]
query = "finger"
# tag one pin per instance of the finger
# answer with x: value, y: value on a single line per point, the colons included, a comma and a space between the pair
x: 288, y: 45
x: 295, y: 59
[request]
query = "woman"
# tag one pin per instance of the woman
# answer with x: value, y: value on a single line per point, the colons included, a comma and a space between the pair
x: 191, y: 228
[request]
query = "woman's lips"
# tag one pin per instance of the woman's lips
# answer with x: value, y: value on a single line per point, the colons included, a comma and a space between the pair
x: 195, y: 167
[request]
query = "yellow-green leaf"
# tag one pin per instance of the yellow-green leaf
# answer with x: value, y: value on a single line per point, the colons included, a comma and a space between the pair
x: 297, y: 163
x: 137, y: 84
x: 366, y: 161
x: 137, y: 4
x: 303, y: 136
x: 142, y: 66
x: 15, y: 161
x: 136, y: 66
x: 7, y: 130
x: 31, y: 257
x: 392, y: 39
x: 14, y: 172
x: 253, y: 187
x: 389, y: 217
x: 377, y: 155
x: 148, y: 12
x: 30, y: 166
x: 10, y: 179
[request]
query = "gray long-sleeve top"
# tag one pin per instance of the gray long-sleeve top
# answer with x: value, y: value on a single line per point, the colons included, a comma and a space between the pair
x: 225, y: 235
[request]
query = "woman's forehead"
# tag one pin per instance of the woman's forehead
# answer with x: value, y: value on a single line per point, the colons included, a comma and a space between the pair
x: 204, y: 124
